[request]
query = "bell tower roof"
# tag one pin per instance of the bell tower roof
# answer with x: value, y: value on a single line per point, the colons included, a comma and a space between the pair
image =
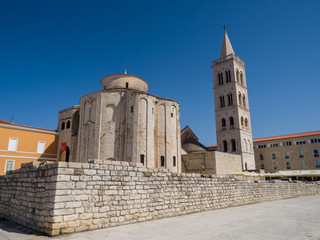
x: 226, y: 46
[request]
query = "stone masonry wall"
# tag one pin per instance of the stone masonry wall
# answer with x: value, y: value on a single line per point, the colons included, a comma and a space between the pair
x: 58, y: 198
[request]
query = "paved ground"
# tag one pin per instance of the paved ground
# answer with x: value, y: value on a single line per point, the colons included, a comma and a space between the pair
x: 297, y: 218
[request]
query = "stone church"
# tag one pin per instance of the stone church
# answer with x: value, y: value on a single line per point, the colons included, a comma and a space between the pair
x: 122, y: 122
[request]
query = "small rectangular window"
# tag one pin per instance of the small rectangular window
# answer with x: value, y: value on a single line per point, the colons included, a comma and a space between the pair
x: 301, y: 155
x: 261, y: 156
x: 274, y: 156
x: 317, y: 163
x: 315, y: 153
x: 9, y: 165
x: 288, y: 165
x: 13, y: 144
x: 286, y: 155
x: 262, y: 165
x: 275, y: 166
x: 302, y: 164
x: 41, y: 146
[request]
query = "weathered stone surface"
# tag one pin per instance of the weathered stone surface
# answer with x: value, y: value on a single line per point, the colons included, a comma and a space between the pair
x: 54, y: 205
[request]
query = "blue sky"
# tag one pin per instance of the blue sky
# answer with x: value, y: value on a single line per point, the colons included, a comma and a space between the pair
x: 54, y: 52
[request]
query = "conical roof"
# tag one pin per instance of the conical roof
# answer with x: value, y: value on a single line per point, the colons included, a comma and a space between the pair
x: 226, y: 46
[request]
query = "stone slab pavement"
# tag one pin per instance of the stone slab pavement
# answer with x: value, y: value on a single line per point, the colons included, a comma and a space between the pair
x: 297, y: 218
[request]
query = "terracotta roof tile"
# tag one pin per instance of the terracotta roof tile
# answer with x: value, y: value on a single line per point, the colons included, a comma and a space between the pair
x: 212, y: 146
x: 5, y: 122
x: 287, y: 136
x: 20, y: 125
x: 305, y: 134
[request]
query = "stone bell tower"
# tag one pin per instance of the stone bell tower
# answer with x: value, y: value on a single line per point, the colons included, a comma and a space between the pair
x: 233, y: 125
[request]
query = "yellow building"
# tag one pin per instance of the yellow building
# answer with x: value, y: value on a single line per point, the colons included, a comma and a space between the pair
x: 20, y: 144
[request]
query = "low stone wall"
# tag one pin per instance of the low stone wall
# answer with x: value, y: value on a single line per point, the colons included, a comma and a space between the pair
x: 58, y: 198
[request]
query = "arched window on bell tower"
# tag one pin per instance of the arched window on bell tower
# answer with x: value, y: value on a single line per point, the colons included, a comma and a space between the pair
x: 225, y: 146
x: 241, y: 78
x: 230, y: 101
x: 228, y: 76
x: 222, y: 103
x: 241, y: 121
x: 231, y: 121
x: 220, y: 78
x: 233, y: 145
x: 244, y: 100
x: 237, y: 75
x: 239, y: 98
x: 223, y: 124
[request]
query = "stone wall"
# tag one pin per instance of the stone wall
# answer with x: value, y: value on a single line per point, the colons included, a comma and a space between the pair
x: 58, y: 198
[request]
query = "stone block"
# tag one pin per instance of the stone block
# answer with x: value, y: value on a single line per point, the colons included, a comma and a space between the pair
x: 61, y: 212
x: 67, y: 230
x: 64, y: 198
x: 71, y: 217
x: 73, y: 204
x: 89, y: 172
x: 65, y: 171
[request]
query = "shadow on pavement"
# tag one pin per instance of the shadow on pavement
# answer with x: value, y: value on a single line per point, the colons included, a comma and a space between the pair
x: 12, y: 227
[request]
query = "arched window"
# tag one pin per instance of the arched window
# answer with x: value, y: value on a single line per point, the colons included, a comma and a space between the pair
x: 228, y: 76
x: 241, y: 121
x: 127, y: 85
x: 225, y: 146
x: 230, y: 101
x: 222, y: 103
x: 67, y: 154
x: 68, y: 124
x: 63, y: 124
x: 249, y: 146
x: 220, y: 79
x: 245, y: 145
x: 174, y: 161
x: 223, y: 124
x: 246, y: 122
x: 241, y: 77
x: 244, y: 100
x: 231, y: 122
x: 142, y: 159
x: 237, y: 75
x: 233, y: 145
x: 239, y: 98
x: 162, y: 161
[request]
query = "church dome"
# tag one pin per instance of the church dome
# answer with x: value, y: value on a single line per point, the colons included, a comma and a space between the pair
x: 124, y: 81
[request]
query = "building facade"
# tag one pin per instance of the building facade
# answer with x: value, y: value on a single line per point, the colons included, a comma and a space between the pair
x: 232, y: 114
x: 123, y: 122
x: 288, y: 152
x: 20, y: 144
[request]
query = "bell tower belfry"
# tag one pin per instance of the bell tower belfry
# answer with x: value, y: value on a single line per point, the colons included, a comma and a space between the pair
x: 233, y: 125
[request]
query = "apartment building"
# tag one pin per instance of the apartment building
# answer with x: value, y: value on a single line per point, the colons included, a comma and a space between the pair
x: 20, y: 144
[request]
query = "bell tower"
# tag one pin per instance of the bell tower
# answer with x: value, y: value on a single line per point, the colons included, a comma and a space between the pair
x: 233, y: 125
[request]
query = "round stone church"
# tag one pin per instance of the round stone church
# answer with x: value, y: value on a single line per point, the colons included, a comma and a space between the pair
x: 122, y: 122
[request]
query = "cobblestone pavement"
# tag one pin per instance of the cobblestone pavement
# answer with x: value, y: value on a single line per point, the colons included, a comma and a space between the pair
x: 297, y: 218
